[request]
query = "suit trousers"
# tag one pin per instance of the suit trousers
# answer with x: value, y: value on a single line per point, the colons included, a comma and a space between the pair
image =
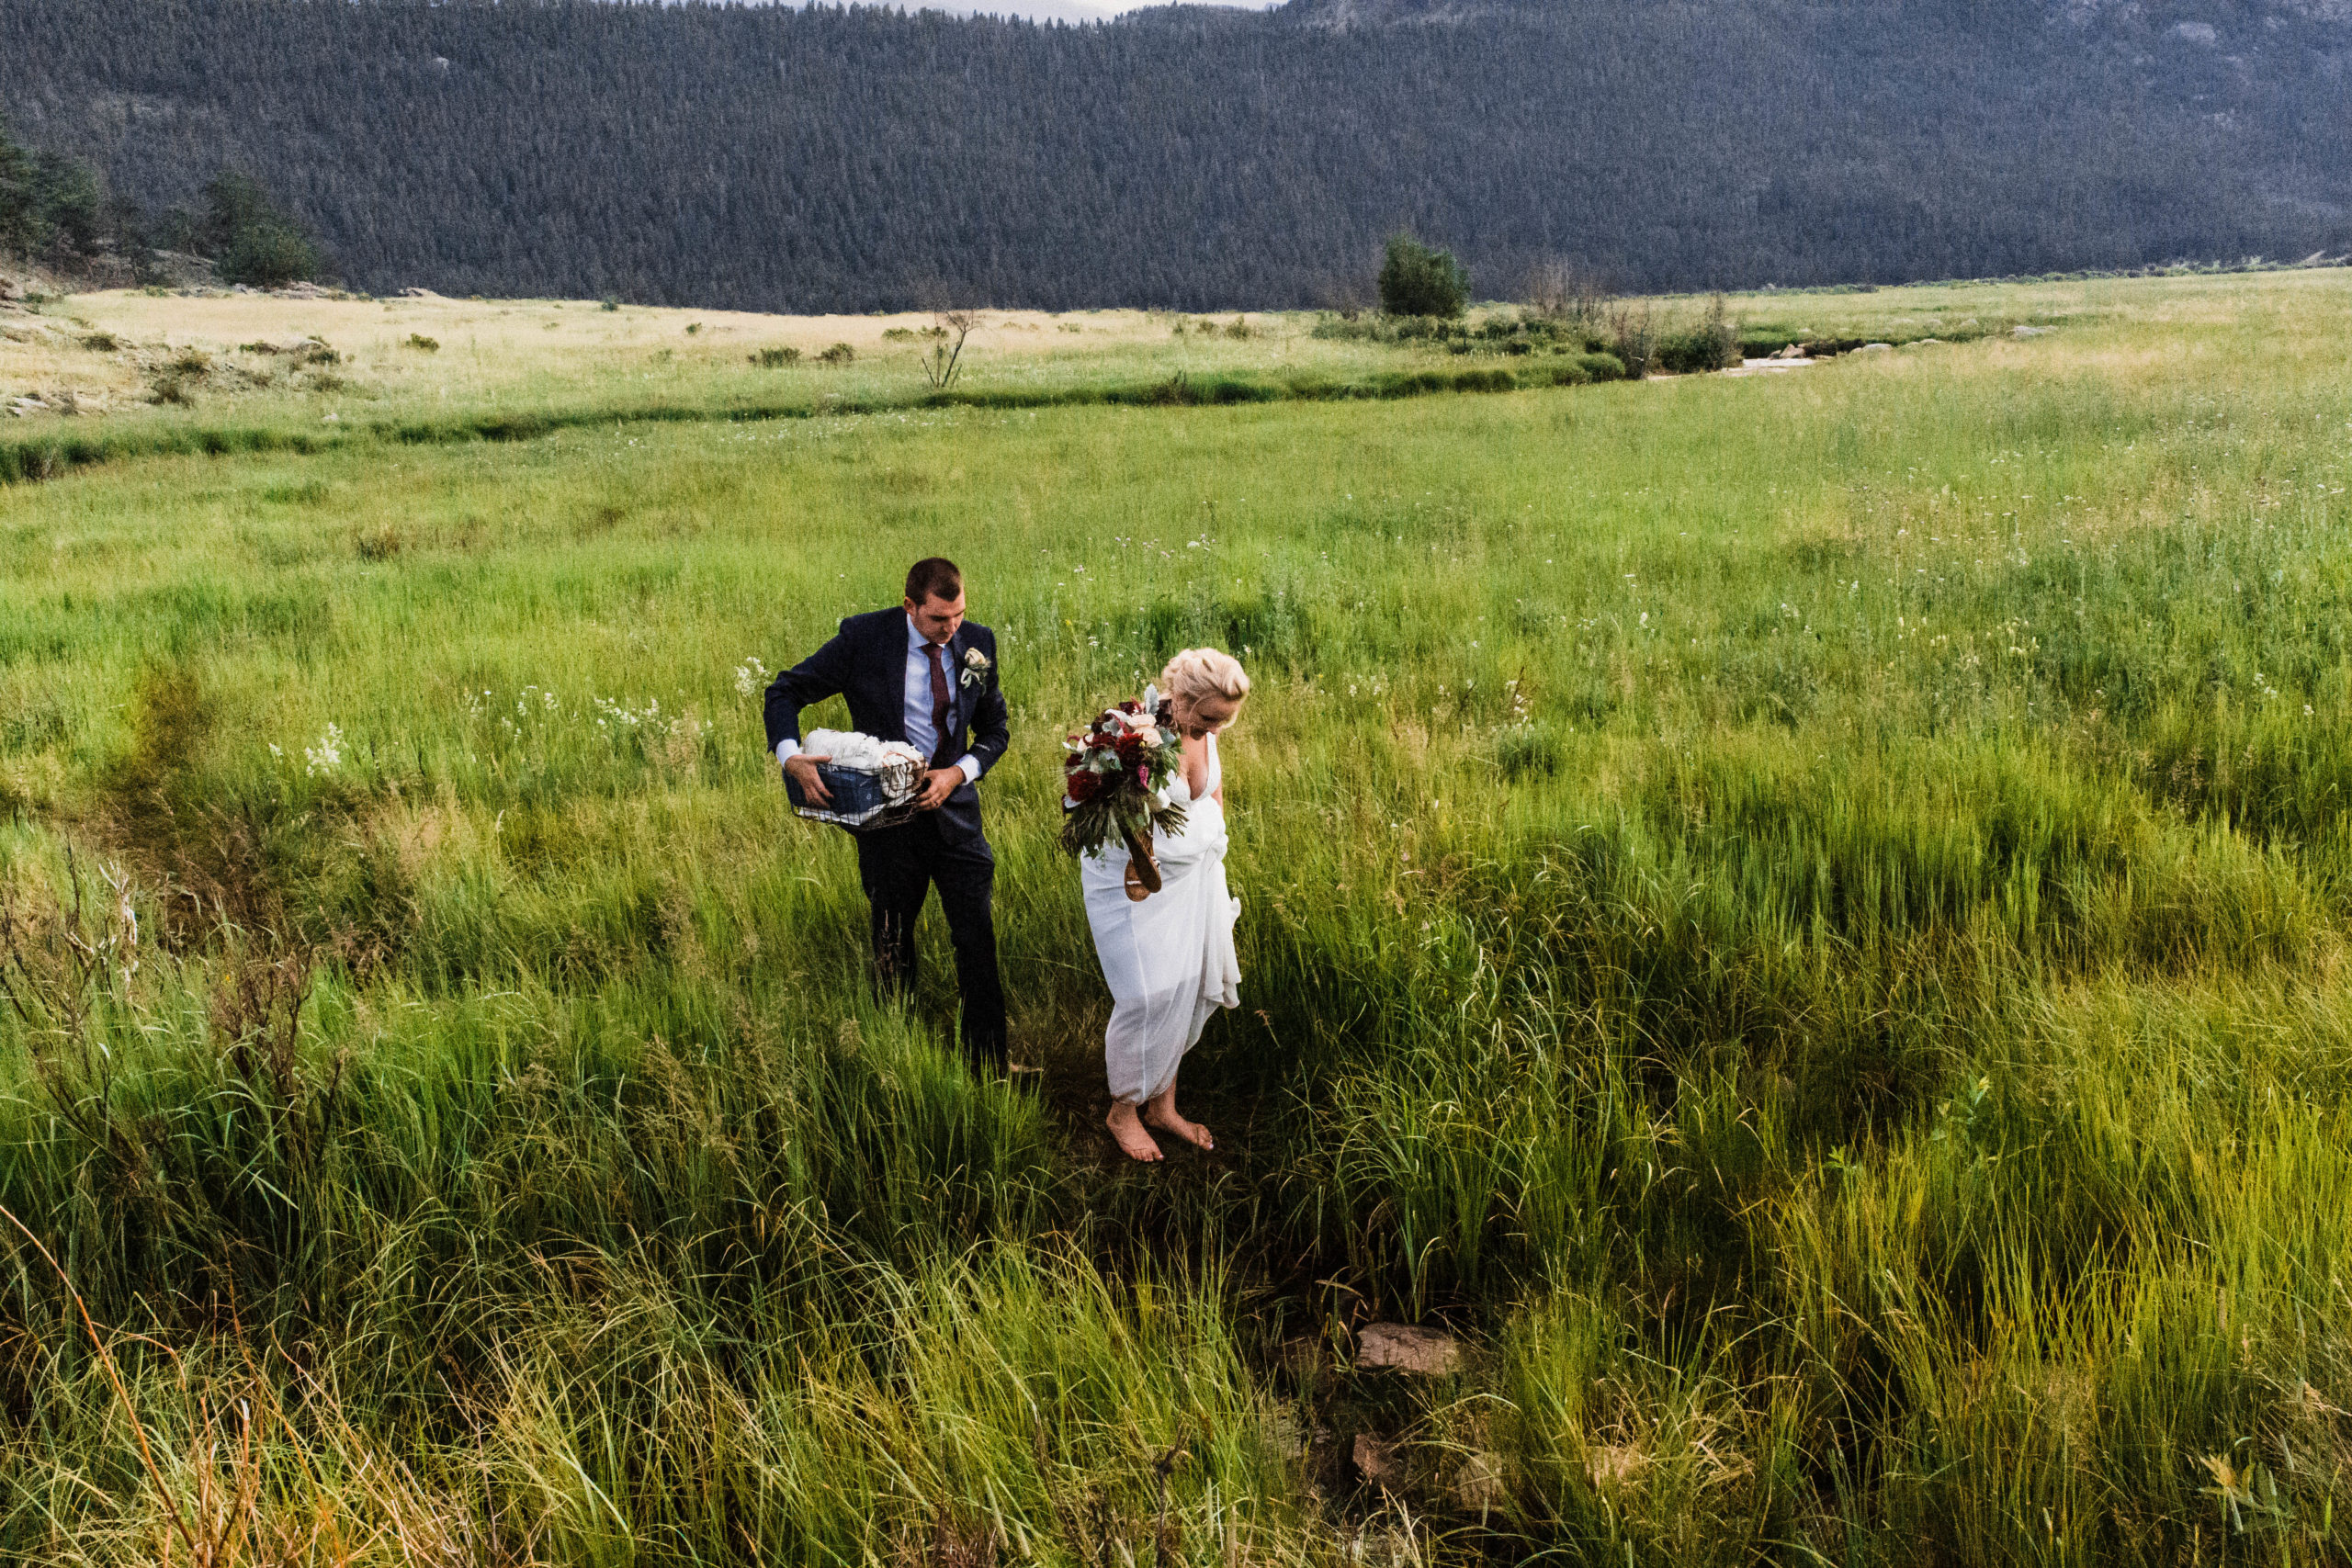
x: 898, y: 866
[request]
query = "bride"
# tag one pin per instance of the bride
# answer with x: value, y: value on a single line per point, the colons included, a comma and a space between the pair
x: 1168, y: 955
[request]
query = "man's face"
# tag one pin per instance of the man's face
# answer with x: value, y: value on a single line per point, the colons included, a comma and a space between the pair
x: 938, y: 618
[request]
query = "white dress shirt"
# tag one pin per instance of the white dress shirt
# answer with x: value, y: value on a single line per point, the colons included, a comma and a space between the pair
x: 919, y: 733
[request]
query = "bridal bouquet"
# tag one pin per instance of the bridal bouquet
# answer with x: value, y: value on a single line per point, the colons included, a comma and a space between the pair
x: 1114, y: 779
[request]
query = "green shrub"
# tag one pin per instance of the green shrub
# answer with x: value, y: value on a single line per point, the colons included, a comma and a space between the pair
x: 1418, y: 281
x: 270, y: 258
x: 840, y: 354
x: 775, y: 358
x: 419, y: 340
x: 610, y: 303
x: 250, y: 240
x: 898, y: 335
x: 1712, y: 343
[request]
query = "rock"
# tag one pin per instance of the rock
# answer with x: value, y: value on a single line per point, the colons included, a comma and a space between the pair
x: 1376, y: 1461
x: 2029, y: 332
x: 418, y: 294
x: 1875, y: 348
x: 2196, y: 33
x: 1791, y: 351
x: 1478, y: 1485
x: 1407, y: 1347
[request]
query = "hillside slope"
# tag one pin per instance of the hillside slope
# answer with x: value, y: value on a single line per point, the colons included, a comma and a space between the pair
x: 774, y: 159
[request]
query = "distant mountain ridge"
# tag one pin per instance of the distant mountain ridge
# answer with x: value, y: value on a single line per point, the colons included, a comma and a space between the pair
x: 774, y: 158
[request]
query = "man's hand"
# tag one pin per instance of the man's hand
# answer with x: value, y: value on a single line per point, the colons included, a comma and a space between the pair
x: 937, y: 785
x: 801, y: 767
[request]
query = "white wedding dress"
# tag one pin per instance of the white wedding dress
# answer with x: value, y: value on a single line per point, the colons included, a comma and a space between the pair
x: 1169, y: 959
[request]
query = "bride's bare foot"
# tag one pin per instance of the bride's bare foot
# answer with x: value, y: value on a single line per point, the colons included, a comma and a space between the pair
x: 1134, y: 1142
x: 1162, y: 1113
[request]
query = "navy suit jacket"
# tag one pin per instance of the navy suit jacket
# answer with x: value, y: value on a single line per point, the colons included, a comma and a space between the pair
x: 866, y: 663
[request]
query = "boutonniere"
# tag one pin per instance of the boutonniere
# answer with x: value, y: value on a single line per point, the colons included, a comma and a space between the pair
x: 976, y: 666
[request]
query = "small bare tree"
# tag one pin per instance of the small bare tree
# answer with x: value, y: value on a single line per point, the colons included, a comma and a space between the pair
x: 1565, y: 292
x: 941, y: 366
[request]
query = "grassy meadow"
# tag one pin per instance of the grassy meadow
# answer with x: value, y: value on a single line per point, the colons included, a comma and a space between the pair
x: 1802, y: 917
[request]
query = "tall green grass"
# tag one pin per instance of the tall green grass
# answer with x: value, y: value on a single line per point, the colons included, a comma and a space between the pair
x: 1802, y: 919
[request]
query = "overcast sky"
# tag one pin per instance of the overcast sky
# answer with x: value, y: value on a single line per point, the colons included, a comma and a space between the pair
x: 1061, y: 10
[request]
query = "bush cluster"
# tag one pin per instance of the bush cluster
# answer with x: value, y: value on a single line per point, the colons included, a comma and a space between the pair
x: 1416, y: 280
x: 1710, y: 344
x: 250, y: 240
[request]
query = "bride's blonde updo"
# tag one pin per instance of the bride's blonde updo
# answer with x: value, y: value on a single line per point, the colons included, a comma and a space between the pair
x: 1204, y: 676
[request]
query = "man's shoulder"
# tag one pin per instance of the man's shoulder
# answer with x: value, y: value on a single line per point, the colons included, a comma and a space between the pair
x: 871, y: 622
x: 977, y: 635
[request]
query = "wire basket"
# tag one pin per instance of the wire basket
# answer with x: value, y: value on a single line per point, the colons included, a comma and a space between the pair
x: 864, y: 798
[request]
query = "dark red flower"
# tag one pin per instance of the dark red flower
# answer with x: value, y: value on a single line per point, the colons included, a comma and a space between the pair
x: 1083, y: 786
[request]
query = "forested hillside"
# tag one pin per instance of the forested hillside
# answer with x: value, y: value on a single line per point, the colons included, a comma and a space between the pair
x: 778, y: 159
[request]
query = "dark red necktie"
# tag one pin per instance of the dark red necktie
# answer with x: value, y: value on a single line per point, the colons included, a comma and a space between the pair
x: 938, y: 705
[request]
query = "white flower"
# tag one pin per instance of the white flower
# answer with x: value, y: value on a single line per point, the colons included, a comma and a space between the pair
x: 976, y: 666
x: 326, y: 756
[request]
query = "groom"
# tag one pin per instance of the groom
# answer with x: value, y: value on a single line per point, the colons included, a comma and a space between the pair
x: 923, y: 674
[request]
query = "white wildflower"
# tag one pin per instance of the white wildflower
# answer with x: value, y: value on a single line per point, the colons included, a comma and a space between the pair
x: 326, y: 756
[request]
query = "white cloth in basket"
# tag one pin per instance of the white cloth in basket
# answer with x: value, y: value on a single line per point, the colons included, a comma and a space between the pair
x: 849, y: 749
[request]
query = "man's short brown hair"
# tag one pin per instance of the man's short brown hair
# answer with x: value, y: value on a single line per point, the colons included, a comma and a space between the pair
x: 933, y: 577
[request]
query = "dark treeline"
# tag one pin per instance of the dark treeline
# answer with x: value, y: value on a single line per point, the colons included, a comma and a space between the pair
x: 773, y: 158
